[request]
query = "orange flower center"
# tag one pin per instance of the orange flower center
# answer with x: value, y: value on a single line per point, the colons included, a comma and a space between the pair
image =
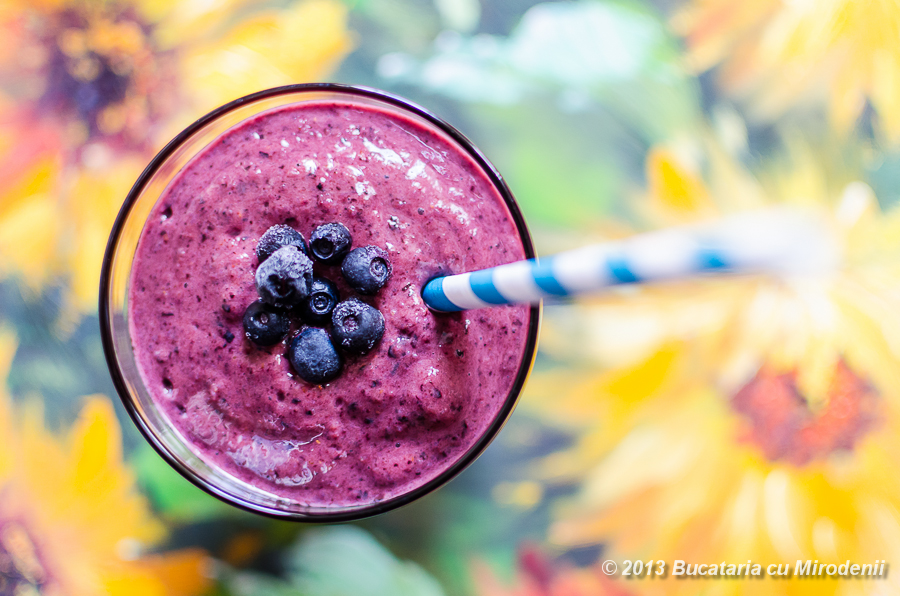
x: 102, y: 74
x: 781, y: 424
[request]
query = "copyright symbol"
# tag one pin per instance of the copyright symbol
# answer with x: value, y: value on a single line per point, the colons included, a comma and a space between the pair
x: 608, y: 567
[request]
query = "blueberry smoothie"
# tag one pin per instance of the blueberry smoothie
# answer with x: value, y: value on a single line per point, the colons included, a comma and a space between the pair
x: 399, y: 412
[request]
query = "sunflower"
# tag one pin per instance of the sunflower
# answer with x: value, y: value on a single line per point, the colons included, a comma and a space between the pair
x: 746, y: 418
x: 89, y: 90
x: 71, y: 521
x: 842, y: 52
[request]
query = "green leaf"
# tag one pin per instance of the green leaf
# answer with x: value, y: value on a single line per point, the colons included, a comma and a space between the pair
x: 565, y: 170
x: 616, y: 54
x: 348, y: 561
x: 170, y: 492
x: 243, y: 583
x: 586, y: 43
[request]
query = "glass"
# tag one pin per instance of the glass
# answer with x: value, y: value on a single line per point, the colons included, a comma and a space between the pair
x: 116, y: 275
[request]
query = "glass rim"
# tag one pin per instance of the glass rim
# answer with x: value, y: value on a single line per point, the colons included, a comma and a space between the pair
x: 106, y: 310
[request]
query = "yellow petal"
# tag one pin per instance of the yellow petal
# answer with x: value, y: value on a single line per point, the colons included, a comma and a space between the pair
x: 886, y: 91
x: 847, y: 103
x: 301, y: 43
x: 95, y: 441
x: 646, y: 378
x: 28, y: 240
x: 77, y: 500
x: 91, y: 208
x: 181, y: 23
x: 30, y: 224
x: 673, y: 187
x: 776, y: 55
x: 97, y: 469
x: 178, y: 573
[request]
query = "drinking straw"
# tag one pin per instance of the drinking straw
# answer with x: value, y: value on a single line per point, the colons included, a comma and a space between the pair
x: 771, y: 241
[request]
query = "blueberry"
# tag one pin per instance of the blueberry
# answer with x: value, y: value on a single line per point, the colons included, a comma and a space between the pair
x: 283, y: 280
x: 313, y: 356
x: 276, y: 237
x: 323, y: 296
x: 329, y: 243
x: 264, y: 324
x: 366, y: 269
x: 356, y: 326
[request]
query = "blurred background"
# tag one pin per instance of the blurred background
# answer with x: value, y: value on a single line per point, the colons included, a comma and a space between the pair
x: 706, y: 420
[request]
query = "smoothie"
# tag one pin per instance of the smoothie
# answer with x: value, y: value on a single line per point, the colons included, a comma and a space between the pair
x: 397, y: 416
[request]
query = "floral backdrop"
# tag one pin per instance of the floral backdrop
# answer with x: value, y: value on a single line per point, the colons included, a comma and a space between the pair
x: 706, y: 420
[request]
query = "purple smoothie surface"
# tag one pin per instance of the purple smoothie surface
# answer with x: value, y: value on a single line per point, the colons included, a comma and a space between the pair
x: 396, y: 417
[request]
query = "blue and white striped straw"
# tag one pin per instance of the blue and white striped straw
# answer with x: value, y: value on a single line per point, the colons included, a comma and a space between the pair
x: 776, y: 241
